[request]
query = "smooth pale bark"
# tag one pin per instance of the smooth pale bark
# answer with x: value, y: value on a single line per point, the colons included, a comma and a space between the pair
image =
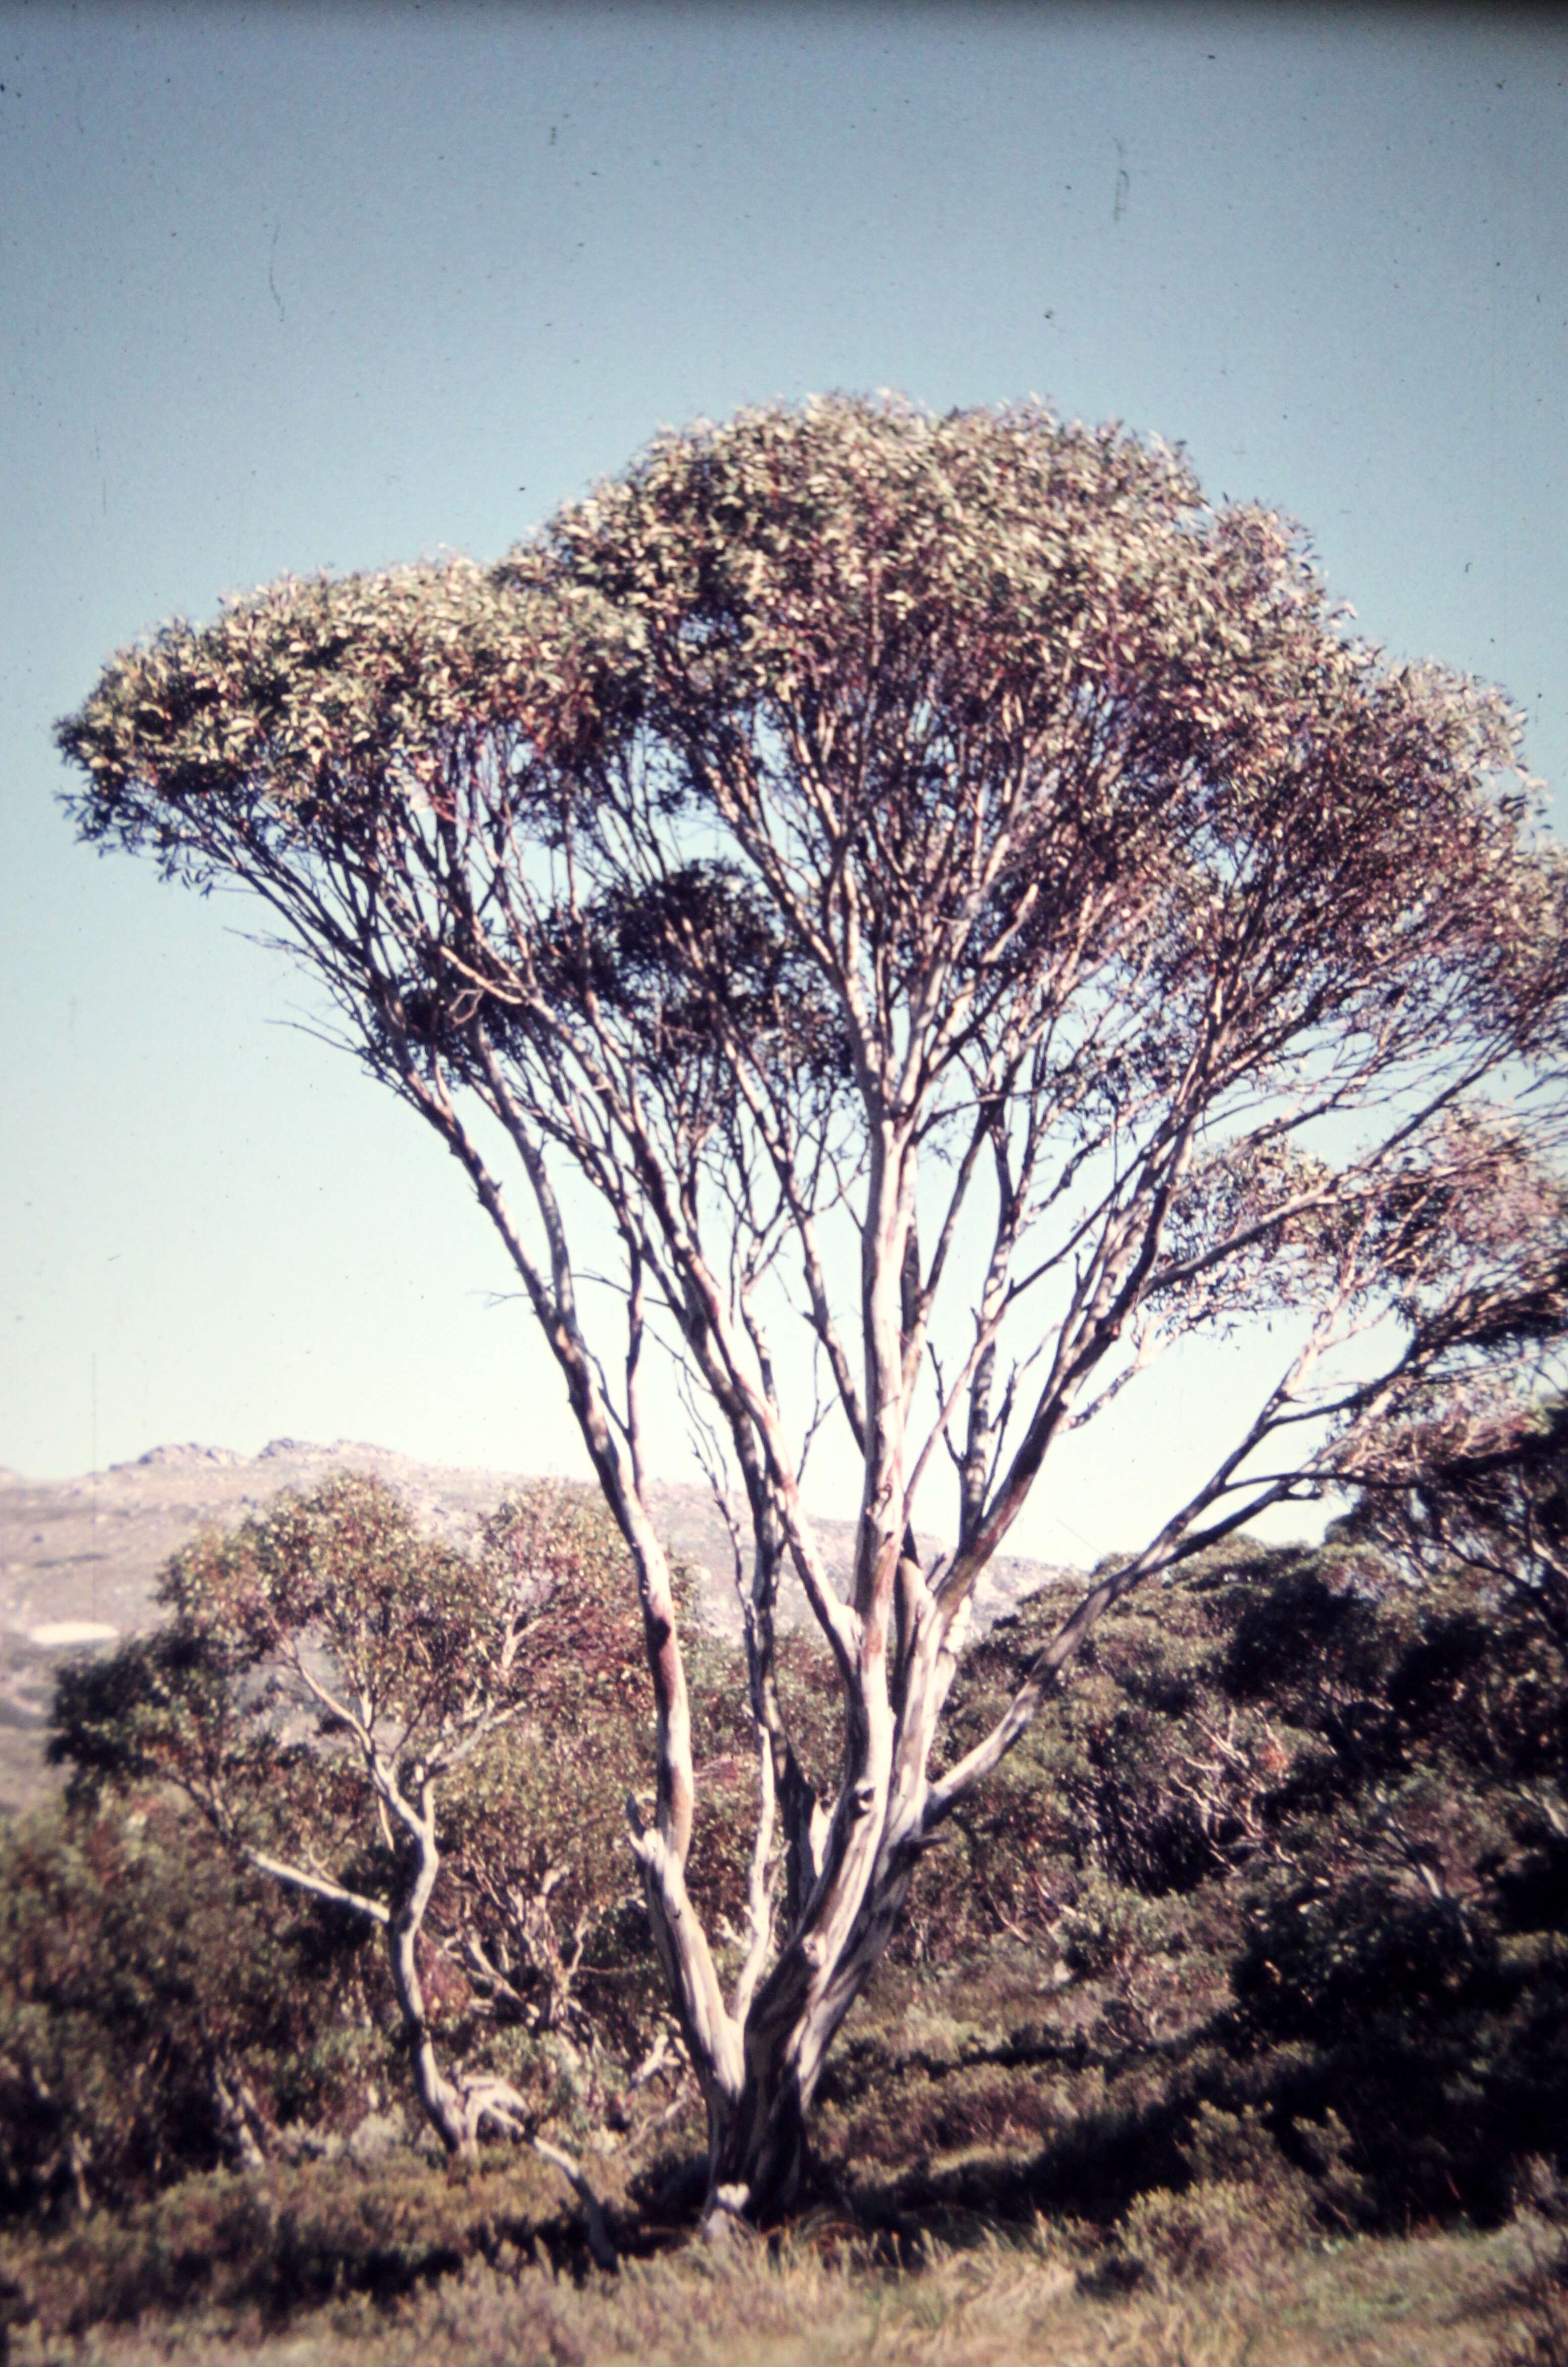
x: 456, y: 2110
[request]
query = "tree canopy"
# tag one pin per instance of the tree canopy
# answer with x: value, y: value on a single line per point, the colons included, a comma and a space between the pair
x: 377, y: 1721
x: 948, y: 891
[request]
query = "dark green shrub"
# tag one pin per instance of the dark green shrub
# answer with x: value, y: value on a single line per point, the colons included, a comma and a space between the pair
x: 280, y: 2239
x: 159, y: 2013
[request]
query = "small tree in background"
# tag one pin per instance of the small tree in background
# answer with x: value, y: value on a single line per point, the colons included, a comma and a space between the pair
x: 331, y: 1680
x: 940, y: 883
x: 1482, y: 1481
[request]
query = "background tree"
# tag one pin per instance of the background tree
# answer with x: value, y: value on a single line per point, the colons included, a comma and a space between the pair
x: 1480, y: 1480
x: 939, y: 880
x: 330, y: 1691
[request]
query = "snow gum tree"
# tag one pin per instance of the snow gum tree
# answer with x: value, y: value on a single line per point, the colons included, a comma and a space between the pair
x: 947, y: 896
x: 328, y: 1684
x: 1480, y: 1480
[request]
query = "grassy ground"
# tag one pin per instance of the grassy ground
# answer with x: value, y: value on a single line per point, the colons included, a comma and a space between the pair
x: 1445, y: 2301
x: 951, y: 2125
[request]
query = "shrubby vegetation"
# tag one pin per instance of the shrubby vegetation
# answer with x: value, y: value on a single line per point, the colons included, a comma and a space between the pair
x: 1256, y: 1941
x: 1286, y: 1873
x: 157, y: 2010
x: 433, y: 1744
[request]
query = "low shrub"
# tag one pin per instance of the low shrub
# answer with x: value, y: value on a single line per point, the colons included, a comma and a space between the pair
x: 161, y: 2014
x: 279, y: 2240
x: 1212, y: 2228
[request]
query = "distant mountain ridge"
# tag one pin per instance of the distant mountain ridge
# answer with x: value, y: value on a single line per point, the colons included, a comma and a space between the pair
x: 79, y: 1558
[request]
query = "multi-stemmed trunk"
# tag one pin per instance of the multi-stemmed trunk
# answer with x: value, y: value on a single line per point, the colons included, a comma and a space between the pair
x: 760, y: 2097
x: 759, y: 2057
x: 758, y: 2147
x: 759, y: 2054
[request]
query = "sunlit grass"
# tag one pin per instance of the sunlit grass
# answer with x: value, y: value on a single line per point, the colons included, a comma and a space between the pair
x: 1448, y: 2301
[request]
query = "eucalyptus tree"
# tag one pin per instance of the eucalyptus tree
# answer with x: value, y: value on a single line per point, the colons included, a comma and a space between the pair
x: 1480, y: 1480
x: 943, y: 892
x: 327, y: 1681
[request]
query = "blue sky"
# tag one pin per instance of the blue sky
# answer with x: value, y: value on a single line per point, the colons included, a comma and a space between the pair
x: 284, y: 288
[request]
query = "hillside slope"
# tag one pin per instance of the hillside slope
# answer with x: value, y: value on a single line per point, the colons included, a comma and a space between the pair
x: 79, y: 1558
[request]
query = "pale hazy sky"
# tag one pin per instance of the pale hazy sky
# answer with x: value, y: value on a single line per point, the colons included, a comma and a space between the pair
x: 290, y: 286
